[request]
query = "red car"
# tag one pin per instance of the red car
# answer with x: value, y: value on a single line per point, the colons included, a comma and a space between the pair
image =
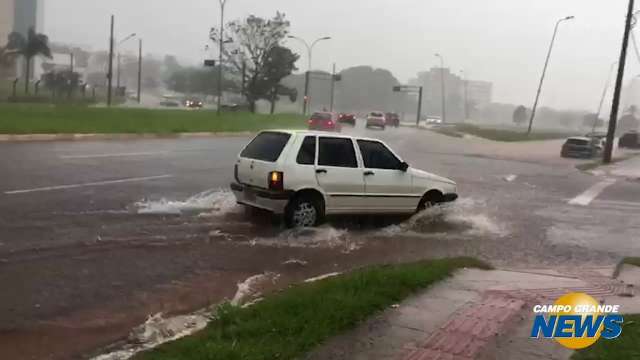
x: 324, y: 121
x: 347, y: 118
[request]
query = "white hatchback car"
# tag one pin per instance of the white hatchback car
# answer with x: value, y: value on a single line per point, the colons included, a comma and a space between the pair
x: 306, y: 175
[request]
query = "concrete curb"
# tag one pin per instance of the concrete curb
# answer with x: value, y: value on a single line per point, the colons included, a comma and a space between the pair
x: 89, y: 137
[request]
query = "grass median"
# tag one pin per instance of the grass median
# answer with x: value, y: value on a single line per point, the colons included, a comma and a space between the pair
x: 49, y: 119
x: 627, y: 346
x: 292, y: 322
x: 505, y: 135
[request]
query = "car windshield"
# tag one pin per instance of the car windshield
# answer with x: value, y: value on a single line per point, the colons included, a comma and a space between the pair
x: 578, y: 142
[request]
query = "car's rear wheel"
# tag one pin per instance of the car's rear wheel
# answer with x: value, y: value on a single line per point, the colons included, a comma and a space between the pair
x: 303, y: 211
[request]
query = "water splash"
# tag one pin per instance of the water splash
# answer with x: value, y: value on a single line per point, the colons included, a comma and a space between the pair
x: 466, y: 217
x: 320, y: 237
x: 215, y: 202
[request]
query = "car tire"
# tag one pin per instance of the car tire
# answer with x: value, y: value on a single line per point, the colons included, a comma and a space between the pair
x: 430, y: 199
x: 303, y: 211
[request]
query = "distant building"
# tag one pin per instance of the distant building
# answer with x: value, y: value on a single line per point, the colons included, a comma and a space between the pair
x: 7, y: 15
x: 479, y: 92
x: 19, y: 16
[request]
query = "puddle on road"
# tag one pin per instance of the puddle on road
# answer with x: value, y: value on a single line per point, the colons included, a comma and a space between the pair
x: 321, y: 237
x: 210, y: 202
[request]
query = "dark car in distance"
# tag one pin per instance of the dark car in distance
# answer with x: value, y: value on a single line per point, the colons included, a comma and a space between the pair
x: 629, y: 140
x: 193, y: 103
x: 581, y: 147
x: 392, y: 119
x: 346, y: 118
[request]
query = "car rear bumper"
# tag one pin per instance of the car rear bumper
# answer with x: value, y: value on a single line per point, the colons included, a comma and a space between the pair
x: 274, y: 201
x: 380, y: 123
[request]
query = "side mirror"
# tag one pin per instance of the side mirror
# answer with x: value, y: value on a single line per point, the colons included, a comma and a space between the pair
x: 403, y: 166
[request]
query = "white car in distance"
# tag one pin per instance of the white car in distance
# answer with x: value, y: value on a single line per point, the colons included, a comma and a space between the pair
x: 305, y: 175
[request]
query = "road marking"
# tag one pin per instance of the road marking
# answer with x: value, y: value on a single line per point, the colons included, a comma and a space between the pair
x: 114, y: 155
x: 588, y: 196
x: 98, y: 183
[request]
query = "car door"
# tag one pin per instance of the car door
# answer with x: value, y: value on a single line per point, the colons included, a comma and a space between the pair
x: 339, y: 174
x: 388, y: 188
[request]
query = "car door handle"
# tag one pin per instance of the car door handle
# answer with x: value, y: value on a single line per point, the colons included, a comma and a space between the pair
x: 369, y: 173
x: 321, y: 171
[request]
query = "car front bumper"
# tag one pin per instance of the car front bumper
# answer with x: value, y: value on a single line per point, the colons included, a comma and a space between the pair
x: 451, y: 197
x: 274, y: 201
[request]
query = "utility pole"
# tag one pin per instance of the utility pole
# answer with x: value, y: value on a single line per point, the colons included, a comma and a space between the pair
x: 244, y: 77
x: 110, y: 73
x: 419, y: 115
x: 544, y: 72
x: 118, y: 73
x: 221, y: 47
x: 305, y: 100
x: 608, y: 148
x: 71, y: 77
x: 139, y: 71
x: 333, y: 86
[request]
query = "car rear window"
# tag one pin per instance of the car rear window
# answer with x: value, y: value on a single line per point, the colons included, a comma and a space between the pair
x: 577, y: 142
x: 267, y: 146
x: 321, y: 116
x: 376, y: 114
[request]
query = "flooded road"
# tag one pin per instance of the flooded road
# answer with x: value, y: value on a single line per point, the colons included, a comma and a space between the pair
x: 96, y: 236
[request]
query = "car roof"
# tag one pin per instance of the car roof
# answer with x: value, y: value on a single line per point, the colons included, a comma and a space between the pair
x: 319, y: 133
x: 579, y: 138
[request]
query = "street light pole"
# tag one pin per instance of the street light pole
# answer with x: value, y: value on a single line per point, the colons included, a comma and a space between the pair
x: 443, y: 89
x: 110, y: 73
x: 221, y: 47
x: 306, y: 102
x: 465, y: 83
x: 604, y: 94
x: 139, y: 70
x: 544, y: 71
x: 131, y: 36
x: 608, y: 147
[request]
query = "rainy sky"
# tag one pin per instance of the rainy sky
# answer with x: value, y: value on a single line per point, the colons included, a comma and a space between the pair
x: 503, y: 41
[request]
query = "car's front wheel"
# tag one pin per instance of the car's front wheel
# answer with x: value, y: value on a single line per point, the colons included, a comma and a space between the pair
x: 303, y: 211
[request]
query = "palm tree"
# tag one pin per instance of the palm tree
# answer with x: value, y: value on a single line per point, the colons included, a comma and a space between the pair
x: 33, y: 45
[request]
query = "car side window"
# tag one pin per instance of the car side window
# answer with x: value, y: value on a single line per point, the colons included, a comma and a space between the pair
x: 307, y: 153
x: 376, y: 156
x: 336, y: 152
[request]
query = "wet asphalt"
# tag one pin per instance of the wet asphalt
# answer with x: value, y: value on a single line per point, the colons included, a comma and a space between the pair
x: 95, y: 236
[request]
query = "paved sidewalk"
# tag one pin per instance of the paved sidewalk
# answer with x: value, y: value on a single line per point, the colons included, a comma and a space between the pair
x: 474, y: 315
x: 628, y: 168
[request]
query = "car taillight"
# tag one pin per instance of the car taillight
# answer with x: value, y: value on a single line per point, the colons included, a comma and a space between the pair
x: 311, y: 121
x: 330, y: 123
x: 276, y: 180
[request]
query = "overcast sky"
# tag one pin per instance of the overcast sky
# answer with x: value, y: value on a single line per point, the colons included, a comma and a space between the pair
x: 503, y: 41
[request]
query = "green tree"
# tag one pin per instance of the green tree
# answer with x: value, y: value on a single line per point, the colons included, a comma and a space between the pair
x: 520, y: 115
x: 249, y: 46
x: 280, y: 64
x: 33, y: 45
